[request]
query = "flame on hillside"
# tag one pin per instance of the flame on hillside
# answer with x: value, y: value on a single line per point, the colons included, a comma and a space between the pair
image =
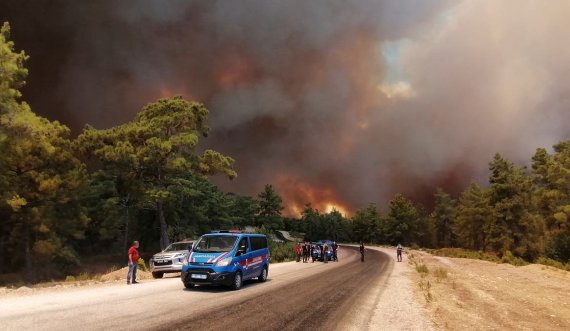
x: 298, y: 195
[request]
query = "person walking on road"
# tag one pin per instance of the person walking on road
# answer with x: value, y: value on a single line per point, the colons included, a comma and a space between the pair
x: 133, y: 259
x: 304, y: 249
x: 334, y: 249
x: 361, y: 252
x: 399, y: 250
x: 298, y: 252
x: 325, y: 249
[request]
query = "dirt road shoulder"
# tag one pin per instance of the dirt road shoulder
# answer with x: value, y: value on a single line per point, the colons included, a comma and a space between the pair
x: 390, y: 303
x: 465, y: 294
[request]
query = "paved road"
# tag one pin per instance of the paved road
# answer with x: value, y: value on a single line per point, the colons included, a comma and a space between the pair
x: 296, y: 296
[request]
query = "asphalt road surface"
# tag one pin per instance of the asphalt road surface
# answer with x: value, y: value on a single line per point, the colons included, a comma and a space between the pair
x: 296, y: 296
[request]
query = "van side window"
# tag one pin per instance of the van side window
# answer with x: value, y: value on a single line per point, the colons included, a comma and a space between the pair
x: 258, y: 243
x: 243, y: 243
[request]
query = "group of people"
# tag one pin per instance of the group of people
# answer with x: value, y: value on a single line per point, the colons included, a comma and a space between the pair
x: 307, y: 250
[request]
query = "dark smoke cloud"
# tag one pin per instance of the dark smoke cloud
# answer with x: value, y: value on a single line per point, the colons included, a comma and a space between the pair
x: 334, y: 102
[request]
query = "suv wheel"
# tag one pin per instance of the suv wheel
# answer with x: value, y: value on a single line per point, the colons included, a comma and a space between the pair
x: 263, y: 276
x: 238, y: 281
x: 157, y: 275
x: 189, y: 285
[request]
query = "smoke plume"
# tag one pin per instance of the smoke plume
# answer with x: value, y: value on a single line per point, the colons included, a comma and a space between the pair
x: 337, y: 103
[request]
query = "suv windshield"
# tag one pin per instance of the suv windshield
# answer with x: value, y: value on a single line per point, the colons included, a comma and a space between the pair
x: 215, y: 244
x: 178, y: 247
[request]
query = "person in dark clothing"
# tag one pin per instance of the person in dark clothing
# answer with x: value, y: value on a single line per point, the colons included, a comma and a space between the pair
x: 362, y: 252
x: 334, y: 249
x: 325, y: 249
x: 304, y: 248
x: 399, y: 250
x: 309, y: 251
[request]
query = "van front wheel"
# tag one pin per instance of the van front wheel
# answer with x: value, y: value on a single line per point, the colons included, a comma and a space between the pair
x: 263, y: 275
x: 238, y: 281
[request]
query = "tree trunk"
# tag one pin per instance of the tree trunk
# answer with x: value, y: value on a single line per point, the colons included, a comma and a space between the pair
x: 29, y: 271
x: 126, y: 239
x: 164, y: 242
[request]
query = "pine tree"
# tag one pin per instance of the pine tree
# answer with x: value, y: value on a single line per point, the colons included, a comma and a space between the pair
x: 41, y: 179
x: 156, y: 151
x: 513, y: 228
x: 270, y: 206
x: 474, y: 216
x: 443, y: 217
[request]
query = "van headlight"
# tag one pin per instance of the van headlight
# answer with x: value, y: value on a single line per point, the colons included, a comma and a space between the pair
x: 224, y: 262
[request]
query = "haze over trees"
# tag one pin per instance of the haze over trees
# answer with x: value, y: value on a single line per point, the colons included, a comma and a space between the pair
x: 64, y: 200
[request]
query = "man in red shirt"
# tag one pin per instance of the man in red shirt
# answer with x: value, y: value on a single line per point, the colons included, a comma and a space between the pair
x: 133, y: 259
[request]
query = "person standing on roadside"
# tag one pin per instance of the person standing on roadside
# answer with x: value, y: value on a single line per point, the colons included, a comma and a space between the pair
x: 314, y: 252
x: 325, y: 249
x: 304, y: 249
x: 399, y: 250
x: 133, y: 259
x: 298, y: 252
x: 334, y: 249
x: 362, y: 252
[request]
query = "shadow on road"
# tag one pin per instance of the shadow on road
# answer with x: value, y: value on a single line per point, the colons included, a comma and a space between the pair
x: 217, y: 289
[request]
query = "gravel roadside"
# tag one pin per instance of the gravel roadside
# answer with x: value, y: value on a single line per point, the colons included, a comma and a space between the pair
x: 391, y: 303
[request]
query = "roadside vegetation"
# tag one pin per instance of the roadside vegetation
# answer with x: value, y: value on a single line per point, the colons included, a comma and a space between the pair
x: 66, y: 200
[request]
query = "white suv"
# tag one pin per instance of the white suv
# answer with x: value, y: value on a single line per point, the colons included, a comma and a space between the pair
x: 170, y: 259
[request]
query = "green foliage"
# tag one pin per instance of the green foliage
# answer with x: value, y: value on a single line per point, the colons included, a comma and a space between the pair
x: 316, y: 226
x: 553, y: 263
x: 465, y: 254
x: 474, y: 215
x: 366, y: 225
x: 270, y: 205
x: 12, y: 72
x: 154, y: 155
x: 282, y: 252
x: 141, y: 265
x: 443, y: 217
x: 513, y: 228
x: 40, y: 179
x: 402, y: 224
x: 509, y: 258
x: 559, y: 246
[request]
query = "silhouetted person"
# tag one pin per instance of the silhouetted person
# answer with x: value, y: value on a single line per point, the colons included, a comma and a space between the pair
x: 399, y: 250
x: 334, y: 249
x: 361, y: 252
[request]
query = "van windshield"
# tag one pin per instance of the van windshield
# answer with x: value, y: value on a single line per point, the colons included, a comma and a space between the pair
x: 215, y: 244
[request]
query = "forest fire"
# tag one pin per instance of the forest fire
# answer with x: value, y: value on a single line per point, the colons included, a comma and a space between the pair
x: 298, y: 195
x: 356, y: 107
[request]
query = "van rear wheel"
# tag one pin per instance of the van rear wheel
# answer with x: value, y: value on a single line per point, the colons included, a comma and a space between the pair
x: 263, y: 275
x: 237, y: 281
